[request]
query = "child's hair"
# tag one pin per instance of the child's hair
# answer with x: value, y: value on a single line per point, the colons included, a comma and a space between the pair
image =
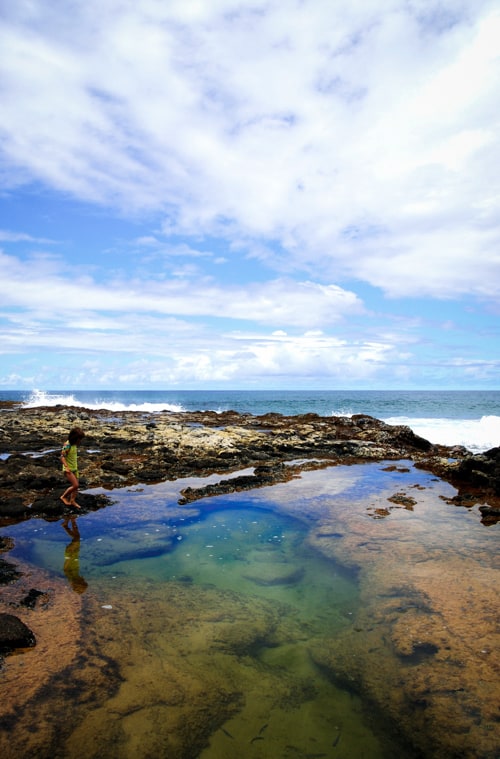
x: 75, y: 435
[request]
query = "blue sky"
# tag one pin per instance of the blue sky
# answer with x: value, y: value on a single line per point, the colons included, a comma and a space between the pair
x: 278, y: 194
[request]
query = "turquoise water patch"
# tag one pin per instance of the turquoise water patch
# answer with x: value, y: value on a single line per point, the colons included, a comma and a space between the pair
x: 244, y: 549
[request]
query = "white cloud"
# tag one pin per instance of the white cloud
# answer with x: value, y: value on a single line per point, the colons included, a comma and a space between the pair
x: 348, y: 143
x: 165, y: 332
x: 39, y: 287
x: 167, y: 250
x: 362, y: 136
x: 8, y: 236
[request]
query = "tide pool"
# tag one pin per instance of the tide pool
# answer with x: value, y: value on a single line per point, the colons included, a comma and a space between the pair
x: 346, y: 613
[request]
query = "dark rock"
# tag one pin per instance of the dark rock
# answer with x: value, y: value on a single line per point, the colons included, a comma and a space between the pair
x: 13, y: 507
x: 493, y: 453
x: 150, y: 474
x: 262, y: 476
x: 6, y: 543
x: 121, y: 467
x: 8, y: 572
x: 108, y: 464
x: 363, y: 420
x: 490, y: 514
x: 32, y: 598
x: 14, y: 634
x: 481, y: 470
x: 51, y: 506
x: 406, y: 436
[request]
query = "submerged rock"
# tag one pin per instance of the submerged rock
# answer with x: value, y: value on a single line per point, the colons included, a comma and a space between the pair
x: 14, y: 634
x: 275, y: 574
x: 8, y: 572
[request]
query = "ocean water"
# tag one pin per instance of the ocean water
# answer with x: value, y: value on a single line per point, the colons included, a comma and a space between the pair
x: 469, y: 418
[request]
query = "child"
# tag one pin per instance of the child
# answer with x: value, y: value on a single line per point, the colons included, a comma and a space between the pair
x: 69, y: 458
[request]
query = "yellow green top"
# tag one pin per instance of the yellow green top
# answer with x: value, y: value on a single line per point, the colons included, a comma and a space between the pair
x: 70, y: 453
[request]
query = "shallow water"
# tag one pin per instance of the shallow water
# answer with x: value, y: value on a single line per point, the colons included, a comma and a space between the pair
x: 291, y: 621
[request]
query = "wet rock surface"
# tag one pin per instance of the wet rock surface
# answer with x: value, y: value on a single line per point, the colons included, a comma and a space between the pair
x: 126, y: 448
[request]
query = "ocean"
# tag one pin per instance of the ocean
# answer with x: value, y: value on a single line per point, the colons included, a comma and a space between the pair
x: 449, y: 417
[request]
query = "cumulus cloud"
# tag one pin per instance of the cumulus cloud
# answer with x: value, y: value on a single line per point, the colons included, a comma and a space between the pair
x: 355, y: 139
x: 180, y: 332
x: 39, y: 287
x: 289, y: 191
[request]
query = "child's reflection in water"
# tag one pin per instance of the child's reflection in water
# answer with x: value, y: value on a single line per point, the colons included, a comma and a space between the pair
x: 72, y: 557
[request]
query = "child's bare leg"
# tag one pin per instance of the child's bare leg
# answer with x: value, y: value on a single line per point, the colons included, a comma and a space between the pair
x: 64, y: 498
x: 69, y: 495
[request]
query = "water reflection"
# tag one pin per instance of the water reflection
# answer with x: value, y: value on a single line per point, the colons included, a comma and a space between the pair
x: 72, y: 556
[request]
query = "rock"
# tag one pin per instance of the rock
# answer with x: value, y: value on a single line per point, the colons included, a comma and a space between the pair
x: 403, y: 500
x: 481, y: 470
x: 490, y: 514
x: 32, y: 598
x: 126, y: 448
x: 262, y: 476
x: 14, y: 634
x: 275, y: 574
x: 8, y: 572
x: 12, y: 506
x: 50, y: 506
x: 493, y: 511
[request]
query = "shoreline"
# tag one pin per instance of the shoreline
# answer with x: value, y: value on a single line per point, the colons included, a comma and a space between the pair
x: 134, y: 447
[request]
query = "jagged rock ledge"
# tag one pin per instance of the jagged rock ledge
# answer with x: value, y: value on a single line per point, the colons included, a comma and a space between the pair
x: 126, y: 448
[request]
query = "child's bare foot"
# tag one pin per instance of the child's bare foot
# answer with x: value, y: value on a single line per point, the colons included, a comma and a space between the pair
x: 65, y: 501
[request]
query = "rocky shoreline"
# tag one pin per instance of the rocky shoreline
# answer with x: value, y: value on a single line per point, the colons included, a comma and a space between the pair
x: 128, y: 448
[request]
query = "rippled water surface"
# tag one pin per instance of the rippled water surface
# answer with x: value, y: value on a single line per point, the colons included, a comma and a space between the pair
x: 304, y: 620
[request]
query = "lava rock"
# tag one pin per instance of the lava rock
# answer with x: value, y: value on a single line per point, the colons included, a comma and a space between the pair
x: 14, y: 634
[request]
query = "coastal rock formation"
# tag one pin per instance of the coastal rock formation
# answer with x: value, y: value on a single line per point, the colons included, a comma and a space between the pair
x: 127, y: 448
x: 482, y: 470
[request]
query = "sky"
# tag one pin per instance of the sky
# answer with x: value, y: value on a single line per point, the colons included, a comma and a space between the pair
x: 249, y: 194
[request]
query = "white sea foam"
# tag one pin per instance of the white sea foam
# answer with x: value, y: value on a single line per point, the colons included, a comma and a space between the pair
x: 42, y: 398
x: 475, y: 434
